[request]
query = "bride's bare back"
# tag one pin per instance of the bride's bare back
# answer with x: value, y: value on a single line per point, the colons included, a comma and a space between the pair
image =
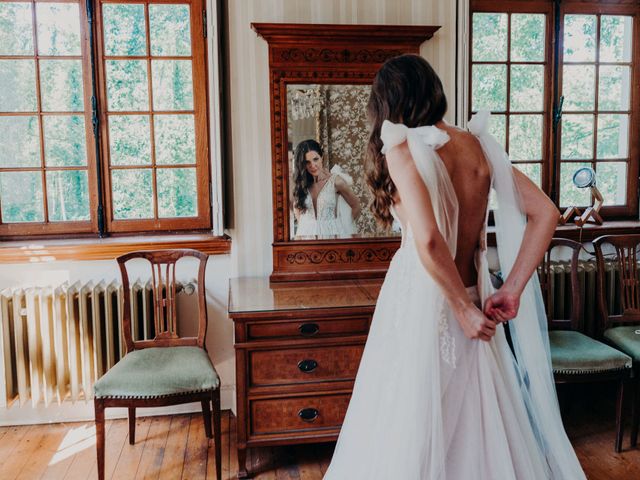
x: 471, y: 178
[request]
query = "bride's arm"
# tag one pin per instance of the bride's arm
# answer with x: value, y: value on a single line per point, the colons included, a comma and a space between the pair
x: 542, y: 219
x: 343, y: 188
x: 431, y: 246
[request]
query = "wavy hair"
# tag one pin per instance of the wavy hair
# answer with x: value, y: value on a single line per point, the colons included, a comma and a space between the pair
x: 406, y: 90
x: 302, y: 179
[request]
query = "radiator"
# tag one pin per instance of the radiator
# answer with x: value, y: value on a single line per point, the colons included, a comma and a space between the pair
x: 561, y: 296
x: 56, y: 342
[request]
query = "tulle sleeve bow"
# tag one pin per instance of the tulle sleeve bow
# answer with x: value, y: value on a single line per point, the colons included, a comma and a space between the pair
x: 479, y: 123
x: 393, y: 134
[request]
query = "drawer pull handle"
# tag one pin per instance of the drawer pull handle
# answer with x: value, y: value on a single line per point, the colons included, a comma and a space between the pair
x: 308, y: 414
x: 309, y: 329
x: 307, y: 366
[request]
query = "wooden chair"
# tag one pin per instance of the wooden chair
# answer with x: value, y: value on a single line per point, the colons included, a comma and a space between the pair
x: 623, y: 330
x: 575, y: 357
x: 167, y: 370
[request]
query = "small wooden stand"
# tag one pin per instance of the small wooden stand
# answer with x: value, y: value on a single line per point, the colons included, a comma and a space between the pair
x: 590, y: 215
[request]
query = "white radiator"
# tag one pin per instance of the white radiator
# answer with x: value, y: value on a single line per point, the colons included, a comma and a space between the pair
x: 56, y: 342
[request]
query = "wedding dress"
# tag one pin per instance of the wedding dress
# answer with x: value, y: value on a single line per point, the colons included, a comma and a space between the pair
x: 431, y: 404
x: 333, y: 218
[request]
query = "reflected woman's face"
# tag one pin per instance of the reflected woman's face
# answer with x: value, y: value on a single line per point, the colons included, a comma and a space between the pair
x: 313, y: 162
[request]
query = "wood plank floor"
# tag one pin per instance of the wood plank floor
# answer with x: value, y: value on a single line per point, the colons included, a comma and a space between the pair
x: 176, y: 447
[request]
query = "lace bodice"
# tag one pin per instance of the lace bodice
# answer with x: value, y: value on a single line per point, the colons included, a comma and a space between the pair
x: 326, y: 202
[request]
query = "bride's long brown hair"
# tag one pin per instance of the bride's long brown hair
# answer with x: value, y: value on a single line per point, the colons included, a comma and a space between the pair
x: 406, y: 90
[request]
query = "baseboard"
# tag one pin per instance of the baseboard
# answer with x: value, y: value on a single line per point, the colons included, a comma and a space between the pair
x: 83, y: 411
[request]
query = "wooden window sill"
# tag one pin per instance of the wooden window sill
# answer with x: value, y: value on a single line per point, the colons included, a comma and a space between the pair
x: 589, y: 232
x: 34, y: 251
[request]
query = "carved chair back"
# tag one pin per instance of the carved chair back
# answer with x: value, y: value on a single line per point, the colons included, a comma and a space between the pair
x: 163, y: 278
x: 546, y: 275
x: 625, y: 260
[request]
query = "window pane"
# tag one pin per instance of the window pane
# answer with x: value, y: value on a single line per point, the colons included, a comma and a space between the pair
x: 64, y: 141
x: 577, y: 136
x: 579, y: 38
x: 177, y: 192
x: 132, y: 193
x: 611, y: 178
x: 570, y: 195
x: 19, y: 142
x: 67, y: 195
x: 531, y: 170
x: 172, y: 85
x: 527, y: 37
x: 527, y: 88
x: 525, y: 137
x: 613, y: 136
x: 18, y: 80
x: 615, y: 38
x: 61, y: 85
x: 129, y: 140
x: 489, y: 37
x: 578, y: 87
x: 16, y: 34
x: 127, y: 85
x: 489, y: 87
x: 175, y: 139
x: 58, y: 27
x: 498, y: 128
x: 124, y: 29
x: 614, y: 89
x: 170, y: 30
x: 21, y: 197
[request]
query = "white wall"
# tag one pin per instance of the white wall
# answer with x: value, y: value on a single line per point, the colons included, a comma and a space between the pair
x: 252, y: 234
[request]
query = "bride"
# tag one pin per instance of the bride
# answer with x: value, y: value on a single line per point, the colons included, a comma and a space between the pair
x: 439, y: 393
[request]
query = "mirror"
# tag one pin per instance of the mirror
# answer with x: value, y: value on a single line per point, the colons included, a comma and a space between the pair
x: 328, y: 132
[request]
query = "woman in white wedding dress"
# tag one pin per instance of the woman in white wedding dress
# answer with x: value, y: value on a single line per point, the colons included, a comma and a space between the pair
x: 323, y: 202
x: 439, y: 395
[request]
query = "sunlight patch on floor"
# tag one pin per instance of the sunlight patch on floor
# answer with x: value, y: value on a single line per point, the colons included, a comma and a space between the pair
x: 76, y: 440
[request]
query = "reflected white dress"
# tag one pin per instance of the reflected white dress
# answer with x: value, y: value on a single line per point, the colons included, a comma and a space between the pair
x: 429, y: 403
x: 333, y: 218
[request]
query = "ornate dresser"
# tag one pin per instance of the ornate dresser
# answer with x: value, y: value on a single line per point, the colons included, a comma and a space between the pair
x: 298, y: 347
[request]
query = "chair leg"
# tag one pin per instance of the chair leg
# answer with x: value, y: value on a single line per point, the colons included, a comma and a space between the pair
x: 619, y: 421
x: 217, y: 431
x: 635, y: 409
x: 206, y: 415
x: 98, y: 406
x: 132, y: 425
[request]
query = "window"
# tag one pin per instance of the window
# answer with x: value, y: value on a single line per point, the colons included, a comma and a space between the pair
x: 557, y: 77
x: 146, y: 92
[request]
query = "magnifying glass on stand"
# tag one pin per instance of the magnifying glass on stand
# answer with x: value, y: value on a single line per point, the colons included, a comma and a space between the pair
x: 585, y: 177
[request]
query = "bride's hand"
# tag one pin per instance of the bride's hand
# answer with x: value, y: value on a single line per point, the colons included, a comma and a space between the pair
x: 502, y: 306
x: 476, y: 325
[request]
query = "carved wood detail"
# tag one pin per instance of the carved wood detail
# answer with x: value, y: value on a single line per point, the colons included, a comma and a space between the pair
x: 339, y: 54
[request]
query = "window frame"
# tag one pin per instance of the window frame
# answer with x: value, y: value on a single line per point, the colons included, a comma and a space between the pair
x: 555, y: 11
x: 98, y: 165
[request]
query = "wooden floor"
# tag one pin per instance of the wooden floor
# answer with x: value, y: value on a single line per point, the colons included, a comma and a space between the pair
x: 176, y: 447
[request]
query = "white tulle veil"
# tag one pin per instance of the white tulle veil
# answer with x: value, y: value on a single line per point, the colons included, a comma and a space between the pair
x: 529, y: 329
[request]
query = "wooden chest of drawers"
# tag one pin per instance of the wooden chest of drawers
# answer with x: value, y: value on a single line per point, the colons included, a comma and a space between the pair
x: 298, y: 347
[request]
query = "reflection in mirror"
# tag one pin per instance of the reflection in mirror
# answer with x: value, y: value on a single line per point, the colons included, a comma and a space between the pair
x: 327, y: 139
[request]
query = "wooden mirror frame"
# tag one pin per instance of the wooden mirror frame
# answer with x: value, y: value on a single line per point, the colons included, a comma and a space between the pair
x: 327, y: 54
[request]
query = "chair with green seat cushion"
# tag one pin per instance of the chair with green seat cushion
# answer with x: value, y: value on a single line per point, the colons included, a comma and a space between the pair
x: 573, y: 353
x: 167, y: 370
x: 620, y: 321
x: 626, y: 338
x: 576, y: 357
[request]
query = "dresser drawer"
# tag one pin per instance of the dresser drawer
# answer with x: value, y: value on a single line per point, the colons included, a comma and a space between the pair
x: 298, y: 414
x: 303, y: 365
x: 307, y: 328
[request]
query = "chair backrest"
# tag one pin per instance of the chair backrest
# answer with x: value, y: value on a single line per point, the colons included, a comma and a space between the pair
x: 546, y: 274
x: 626, y: 261
x: 163, y: 276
